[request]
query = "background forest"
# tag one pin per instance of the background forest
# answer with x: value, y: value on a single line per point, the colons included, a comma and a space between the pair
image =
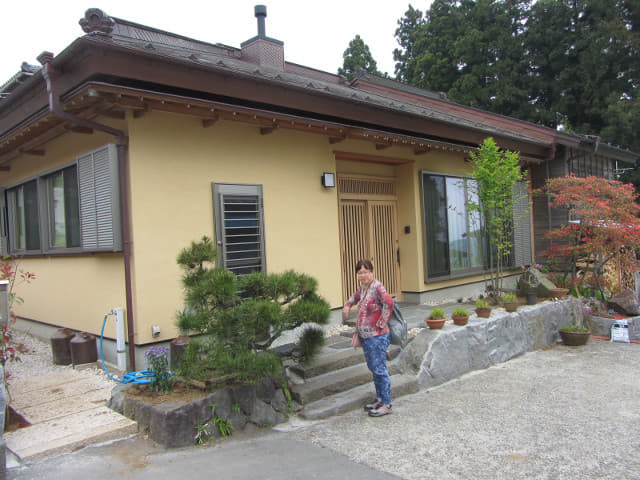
x: 568, y: 64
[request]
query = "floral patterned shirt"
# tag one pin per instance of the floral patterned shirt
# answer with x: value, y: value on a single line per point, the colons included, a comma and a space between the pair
x: 369, y: 311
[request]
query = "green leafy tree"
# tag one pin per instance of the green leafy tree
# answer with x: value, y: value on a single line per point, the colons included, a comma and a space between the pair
x: 239, y: 317
x: 357, y: 57
x: 495, y: 174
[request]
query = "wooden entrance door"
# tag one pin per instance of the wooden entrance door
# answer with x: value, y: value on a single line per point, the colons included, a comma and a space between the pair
x: 368, y: 229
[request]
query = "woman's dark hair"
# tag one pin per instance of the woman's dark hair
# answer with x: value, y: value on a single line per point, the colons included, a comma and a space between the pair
x: 364, y: 263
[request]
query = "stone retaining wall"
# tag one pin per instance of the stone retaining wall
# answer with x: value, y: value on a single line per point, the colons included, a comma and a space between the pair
x: 173, y: 424
x: 437, y: 356
x: 601, y: 327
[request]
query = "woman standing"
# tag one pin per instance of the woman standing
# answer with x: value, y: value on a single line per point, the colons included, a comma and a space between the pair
x: 372, y: 328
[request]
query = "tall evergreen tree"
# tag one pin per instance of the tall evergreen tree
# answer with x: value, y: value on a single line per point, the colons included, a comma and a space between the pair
x: 357, y: 57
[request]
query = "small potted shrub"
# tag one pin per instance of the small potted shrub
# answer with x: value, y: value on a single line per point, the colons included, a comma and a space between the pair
x: 483, y: 309
x: 460, y: 316
x: 576, y: 333
x: 436, y: 318
x: 510, y: 302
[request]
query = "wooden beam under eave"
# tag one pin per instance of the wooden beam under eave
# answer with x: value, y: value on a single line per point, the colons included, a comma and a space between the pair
x: 382, y: 146
x: 35, y: 152
x: 4, y: 168
x: 421, y: 150
x: 79, y: 129
x: 207, y: 122
x: 117, y: 114
x: 334, y: 140
x: 139, y: 113
x: 267, y: 130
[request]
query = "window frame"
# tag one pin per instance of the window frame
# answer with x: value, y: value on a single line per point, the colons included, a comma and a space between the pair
x: 460, y: 273
x: 219, y: 191
x: 46, y: 218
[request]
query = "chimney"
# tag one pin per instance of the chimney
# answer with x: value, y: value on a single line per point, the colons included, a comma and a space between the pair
x: 262, y: 50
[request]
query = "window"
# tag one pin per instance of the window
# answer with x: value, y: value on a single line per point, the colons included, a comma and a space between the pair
x: 73, y: 209
x: 64, y: 213
x: 455, y: 242
x: 239, y: 224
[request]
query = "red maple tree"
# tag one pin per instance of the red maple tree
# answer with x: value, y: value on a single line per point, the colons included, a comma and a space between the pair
x: 603, y: 224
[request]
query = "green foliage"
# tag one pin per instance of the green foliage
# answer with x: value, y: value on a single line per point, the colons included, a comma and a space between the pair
x: 460, y: 312
x: 239, y: 317
x: 287, y: 395
x: 437, y: 314
x: 158, y: 362
x: 357, y: 57
x: 570, y: 63
x: 311, y: 340
x: 204, y: 432
x: 495, y: 172
x: 510, y: 298
x: 480, y: 303
x: 575, y: 328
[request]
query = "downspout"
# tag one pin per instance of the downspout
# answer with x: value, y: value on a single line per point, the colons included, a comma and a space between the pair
x: 122, y: 143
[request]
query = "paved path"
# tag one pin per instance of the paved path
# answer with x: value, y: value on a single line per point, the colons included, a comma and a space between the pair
x: 561, y: 413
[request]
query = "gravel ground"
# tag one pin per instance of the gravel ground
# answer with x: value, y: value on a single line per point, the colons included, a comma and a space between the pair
x: 37, y: 360
x: 561, y: 413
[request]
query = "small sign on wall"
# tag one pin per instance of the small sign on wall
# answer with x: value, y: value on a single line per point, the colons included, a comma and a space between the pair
x: 620, y: 331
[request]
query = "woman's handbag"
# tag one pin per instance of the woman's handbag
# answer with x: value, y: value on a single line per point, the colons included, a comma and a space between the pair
x: 355, y: 340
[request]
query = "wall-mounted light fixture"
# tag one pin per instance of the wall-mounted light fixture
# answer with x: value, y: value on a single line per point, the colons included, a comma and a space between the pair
x: 328, y: 180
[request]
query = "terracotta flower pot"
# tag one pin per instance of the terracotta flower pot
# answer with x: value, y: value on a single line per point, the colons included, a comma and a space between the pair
x: 510, y: 306
x: 559, y: 292
x: 460, y: 319
x: 574, y: 339
x: 435, y: 323
x: 483, y: 312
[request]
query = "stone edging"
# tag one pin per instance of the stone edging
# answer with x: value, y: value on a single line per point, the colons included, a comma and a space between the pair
x: 173, y: 424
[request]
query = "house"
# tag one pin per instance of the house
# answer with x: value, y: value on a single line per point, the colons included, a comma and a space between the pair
x: 133, y: 142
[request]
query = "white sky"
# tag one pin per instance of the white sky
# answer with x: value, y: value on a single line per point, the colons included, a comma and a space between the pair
x: 315, y: 33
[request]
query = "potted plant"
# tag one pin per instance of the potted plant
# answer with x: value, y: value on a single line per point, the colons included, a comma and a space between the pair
x: 510, y: 302
x: 577, y: 332
x: 559, y: 292
x: 436, y: 318
x: 460, y: 316
x: 483, y: 309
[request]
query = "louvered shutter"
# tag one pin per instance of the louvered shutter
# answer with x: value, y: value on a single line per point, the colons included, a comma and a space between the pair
x: 522, y: 225
x: 239, y: 224
x: 99, y: 200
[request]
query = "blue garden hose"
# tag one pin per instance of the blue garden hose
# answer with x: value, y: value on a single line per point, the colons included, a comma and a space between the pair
x: 141, y: 376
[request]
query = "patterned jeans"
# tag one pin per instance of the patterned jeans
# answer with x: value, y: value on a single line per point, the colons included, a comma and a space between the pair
x: 375, y: 353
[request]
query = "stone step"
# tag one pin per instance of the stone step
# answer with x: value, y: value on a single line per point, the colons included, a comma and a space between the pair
x: 355, y: 398
x: 333, y: 382
x: 335, y: 360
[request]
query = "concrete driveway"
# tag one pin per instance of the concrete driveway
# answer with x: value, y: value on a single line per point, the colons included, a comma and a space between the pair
x: 560, y: 413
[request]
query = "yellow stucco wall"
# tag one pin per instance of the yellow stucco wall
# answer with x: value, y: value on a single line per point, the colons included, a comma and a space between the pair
x: 172, y: 204
x: 72, y: 291
x: 172, y: 163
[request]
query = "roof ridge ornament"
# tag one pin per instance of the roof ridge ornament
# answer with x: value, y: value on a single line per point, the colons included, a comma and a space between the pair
x: 97, y: 22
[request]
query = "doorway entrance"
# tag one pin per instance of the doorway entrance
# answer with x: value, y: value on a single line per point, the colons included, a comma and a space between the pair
x: 369, y: 229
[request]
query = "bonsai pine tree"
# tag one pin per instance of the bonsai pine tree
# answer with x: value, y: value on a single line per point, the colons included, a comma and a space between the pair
x: 239, y: 317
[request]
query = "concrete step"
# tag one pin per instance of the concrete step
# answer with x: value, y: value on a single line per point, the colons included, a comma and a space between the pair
x: 355, y: 398
x: 333, y: 382
x: 334, y: 360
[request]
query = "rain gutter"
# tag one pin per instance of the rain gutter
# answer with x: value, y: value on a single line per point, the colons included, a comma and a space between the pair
x: 122, y: 143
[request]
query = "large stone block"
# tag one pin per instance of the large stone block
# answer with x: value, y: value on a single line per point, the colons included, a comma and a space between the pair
x: 245, y: 397
x: 173, y: 425
x: 279, y: 402
x: 265, y: 389
x: 263, y: 414
x: 223, y: 400
x: 507, y: 337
